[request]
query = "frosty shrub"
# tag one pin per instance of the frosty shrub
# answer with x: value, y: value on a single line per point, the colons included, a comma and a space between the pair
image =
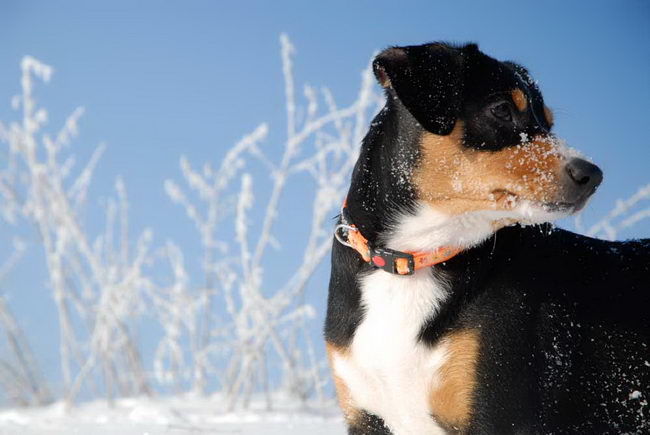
x: 20, y: 376
x: 234, y: 327
x: 97, y: 283
x: 262, y: 323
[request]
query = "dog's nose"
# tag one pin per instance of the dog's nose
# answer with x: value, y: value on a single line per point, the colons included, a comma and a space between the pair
x: 586, y: 176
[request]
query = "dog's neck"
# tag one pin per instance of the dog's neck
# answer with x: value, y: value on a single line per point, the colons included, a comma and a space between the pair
x: 424, y: 228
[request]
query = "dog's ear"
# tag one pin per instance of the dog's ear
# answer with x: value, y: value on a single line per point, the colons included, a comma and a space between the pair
x: 428, y: 80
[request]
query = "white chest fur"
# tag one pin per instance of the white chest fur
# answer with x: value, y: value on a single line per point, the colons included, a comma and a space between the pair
x: 386, y: 370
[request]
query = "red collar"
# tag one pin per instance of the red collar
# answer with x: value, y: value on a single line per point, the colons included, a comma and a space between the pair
x: 397, y: 262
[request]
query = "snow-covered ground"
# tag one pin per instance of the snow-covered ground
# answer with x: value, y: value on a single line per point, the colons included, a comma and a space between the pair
x: 176, y: 415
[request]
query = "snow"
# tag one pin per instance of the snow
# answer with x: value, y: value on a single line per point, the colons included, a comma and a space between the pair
x: 172, y: 415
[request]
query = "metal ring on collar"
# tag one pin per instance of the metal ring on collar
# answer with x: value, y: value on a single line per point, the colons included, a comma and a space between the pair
x: 337, y: 234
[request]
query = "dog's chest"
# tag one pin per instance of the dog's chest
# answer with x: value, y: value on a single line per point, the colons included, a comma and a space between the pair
x: 389, y: 373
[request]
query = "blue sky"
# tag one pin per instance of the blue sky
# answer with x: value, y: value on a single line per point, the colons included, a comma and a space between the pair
x: 164, y: 79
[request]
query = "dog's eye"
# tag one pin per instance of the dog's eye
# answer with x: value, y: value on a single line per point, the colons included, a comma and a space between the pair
x: 502, y: 111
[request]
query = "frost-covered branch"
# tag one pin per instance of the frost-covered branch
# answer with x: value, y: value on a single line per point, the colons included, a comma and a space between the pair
x: 20, y: 376
x: 265, y: 323
x: 97, y: 293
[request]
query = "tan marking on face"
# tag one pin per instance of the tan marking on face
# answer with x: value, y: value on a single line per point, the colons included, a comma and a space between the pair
x: 548, y: 115
x: 519, y: 99
x: 383, y: 78
x: 350, y: 411
x: 451, y: 397
x: 456, y: 179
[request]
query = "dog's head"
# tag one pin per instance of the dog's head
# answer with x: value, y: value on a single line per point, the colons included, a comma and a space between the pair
x: 486, y: 141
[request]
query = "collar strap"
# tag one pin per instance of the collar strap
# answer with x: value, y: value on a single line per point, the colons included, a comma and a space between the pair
x: 396, y: 262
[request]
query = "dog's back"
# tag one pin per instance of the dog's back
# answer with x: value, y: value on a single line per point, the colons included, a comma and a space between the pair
x: 565, y: 329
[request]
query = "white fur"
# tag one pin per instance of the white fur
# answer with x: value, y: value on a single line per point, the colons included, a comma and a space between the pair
x: 428, y: 229
x: 388, y: 372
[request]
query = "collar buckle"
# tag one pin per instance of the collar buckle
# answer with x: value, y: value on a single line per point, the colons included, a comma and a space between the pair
x: 396, y: 262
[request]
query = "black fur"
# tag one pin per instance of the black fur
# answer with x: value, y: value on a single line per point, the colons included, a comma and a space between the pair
x: 564, y: 320
x: 564, y: 329
x: 369, y: 424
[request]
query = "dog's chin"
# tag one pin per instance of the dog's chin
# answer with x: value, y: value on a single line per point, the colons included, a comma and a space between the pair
x: 534, y: 213
x: 427, y: 227
x: 528, y: 212
x: 537, y: 213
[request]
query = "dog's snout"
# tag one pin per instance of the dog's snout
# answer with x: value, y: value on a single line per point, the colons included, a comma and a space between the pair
x: 585, y: 175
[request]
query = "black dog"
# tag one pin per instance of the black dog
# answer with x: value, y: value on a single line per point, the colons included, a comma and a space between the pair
x: 453, y: 307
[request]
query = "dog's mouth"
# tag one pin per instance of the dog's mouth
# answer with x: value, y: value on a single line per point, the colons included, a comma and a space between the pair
x: 505, y: 199
x: 562, y: 207
x: 508, y: 200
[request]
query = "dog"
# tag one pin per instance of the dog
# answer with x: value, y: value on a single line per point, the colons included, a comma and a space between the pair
x: 454, y: 305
